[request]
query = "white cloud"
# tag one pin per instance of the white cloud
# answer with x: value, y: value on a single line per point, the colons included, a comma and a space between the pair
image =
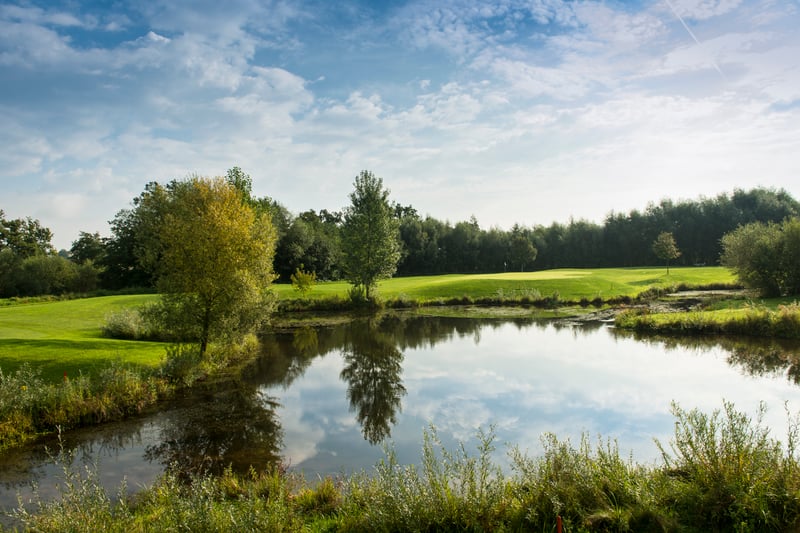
x: 500, y: 110
x: 704, y: 9
x: 35, y: 15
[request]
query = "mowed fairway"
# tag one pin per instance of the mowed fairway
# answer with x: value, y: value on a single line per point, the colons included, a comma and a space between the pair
x: 58, y: 337
x: 570, y: 284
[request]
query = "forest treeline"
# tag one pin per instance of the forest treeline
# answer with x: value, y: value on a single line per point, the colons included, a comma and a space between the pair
x: 312, y: 241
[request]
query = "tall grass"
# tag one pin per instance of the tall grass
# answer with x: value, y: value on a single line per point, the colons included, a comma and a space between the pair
x: 726, y: 473
x: 753, y: 320
x: 720, y: 472
x: 29, y: 405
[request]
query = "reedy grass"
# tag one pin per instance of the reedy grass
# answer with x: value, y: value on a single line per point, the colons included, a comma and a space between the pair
x: 752, y: 320
x: 720, y: 472
x: 30, y: 406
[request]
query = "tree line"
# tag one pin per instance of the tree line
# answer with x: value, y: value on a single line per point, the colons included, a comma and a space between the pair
x: 314, y: 242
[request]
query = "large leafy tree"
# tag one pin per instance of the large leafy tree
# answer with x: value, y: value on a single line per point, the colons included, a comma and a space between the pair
x: 370, y: 234
x: 24, y: 237
x: 765, y: 256
x: 215, y: 256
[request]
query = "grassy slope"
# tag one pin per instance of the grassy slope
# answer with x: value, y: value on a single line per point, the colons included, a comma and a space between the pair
x: 571, y: 284
x: 64, y: 336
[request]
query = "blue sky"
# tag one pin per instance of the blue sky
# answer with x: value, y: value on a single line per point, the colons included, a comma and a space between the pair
x: 512, y: 111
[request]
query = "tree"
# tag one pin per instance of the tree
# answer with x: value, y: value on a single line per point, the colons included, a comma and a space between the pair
x: 133, y: 251
x: 25, y: 237
x: 215, y: 261
x: 88, y: 247
x: 370, y: 234
x: 521, y: 251
x: 765, y: 256
x: 665, y: 247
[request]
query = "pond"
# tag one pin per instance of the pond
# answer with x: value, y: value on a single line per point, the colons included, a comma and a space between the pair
x: 326, y: 401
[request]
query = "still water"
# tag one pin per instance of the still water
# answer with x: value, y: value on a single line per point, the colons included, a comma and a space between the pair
x: 328, y: 400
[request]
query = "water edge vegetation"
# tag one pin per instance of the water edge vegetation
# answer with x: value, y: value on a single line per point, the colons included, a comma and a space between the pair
x: 720, y: 472
x: 592, y: 488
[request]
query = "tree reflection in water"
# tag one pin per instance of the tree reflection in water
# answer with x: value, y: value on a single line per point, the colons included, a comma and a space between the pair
x: 755, y: 356
x: 373, y: 368
x: 237, y: 427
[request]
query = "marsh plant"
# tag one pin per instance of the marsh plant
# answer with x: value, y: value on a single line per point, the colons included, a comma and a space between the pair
x: 754, y: 320
x: 720, y: 472
x: 29, y: 405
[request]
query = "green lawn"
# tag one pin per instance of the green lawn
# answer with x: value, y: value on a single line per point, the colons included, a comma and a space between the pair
x: 64, y: 336
x: 571, y: 284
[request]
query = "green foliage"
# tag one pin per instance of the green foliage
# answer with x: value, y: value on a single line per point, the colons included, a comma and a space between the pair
x: 753, y: 320
x: 182, y: 363
x: 727, y: 473
x: 666, y: 248
x: 88, y: 247
x: 303, y: 281
x: 370, y: 234
x: 29, y: 405
x: 592, y: 488
x: 125, y: 324
x: 722, y: 472
x: 449, y: 491
x: 521, y: 251
x: 214, y: 254
x: 81, y: 503
x: 44, y: 275
x: 25, y: 237
x: 766, y: 256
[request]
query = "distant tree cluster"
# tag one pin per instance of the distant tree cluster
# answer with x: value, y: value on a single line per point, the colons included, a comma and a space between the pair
x: 335, y: 245
x: 29, y: 265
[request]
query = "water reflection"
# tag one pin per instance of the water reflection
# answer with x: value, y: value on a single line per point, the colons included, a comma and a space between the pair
x: 233, y: 428
x: 373, y: 368
x: 754, y: 356
x: 320, y: 399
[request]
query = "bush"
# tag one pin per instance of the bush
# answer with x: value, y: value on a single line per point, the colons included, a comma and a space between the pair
x: 727, y: 473
x: 125, y: 324
x: 723, y: 472
x: 182, y: 363
x: 303, y: 281
x: 765, y: 256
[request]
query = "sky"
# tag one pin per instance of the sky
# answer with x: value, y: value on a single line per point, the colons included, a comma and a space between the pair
x: 528, y: 112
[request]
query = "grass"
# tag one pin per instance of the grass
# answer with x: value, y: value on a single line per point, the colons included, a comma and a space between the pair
x: 720, y: 472
x: 779, y: 320
x: 569, y: 284
x: 65, y: 336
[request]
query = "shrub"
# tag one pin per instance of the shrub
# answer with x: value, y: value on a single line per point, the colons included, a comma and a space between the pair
x: 727, y: 473
x: 303, y: 281
x: 125, y: 324
x: 182, y: 363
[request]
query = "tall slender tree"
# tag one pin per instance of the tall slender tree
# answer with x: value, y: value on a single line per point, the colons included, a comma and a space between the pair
x: 370, y: 234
